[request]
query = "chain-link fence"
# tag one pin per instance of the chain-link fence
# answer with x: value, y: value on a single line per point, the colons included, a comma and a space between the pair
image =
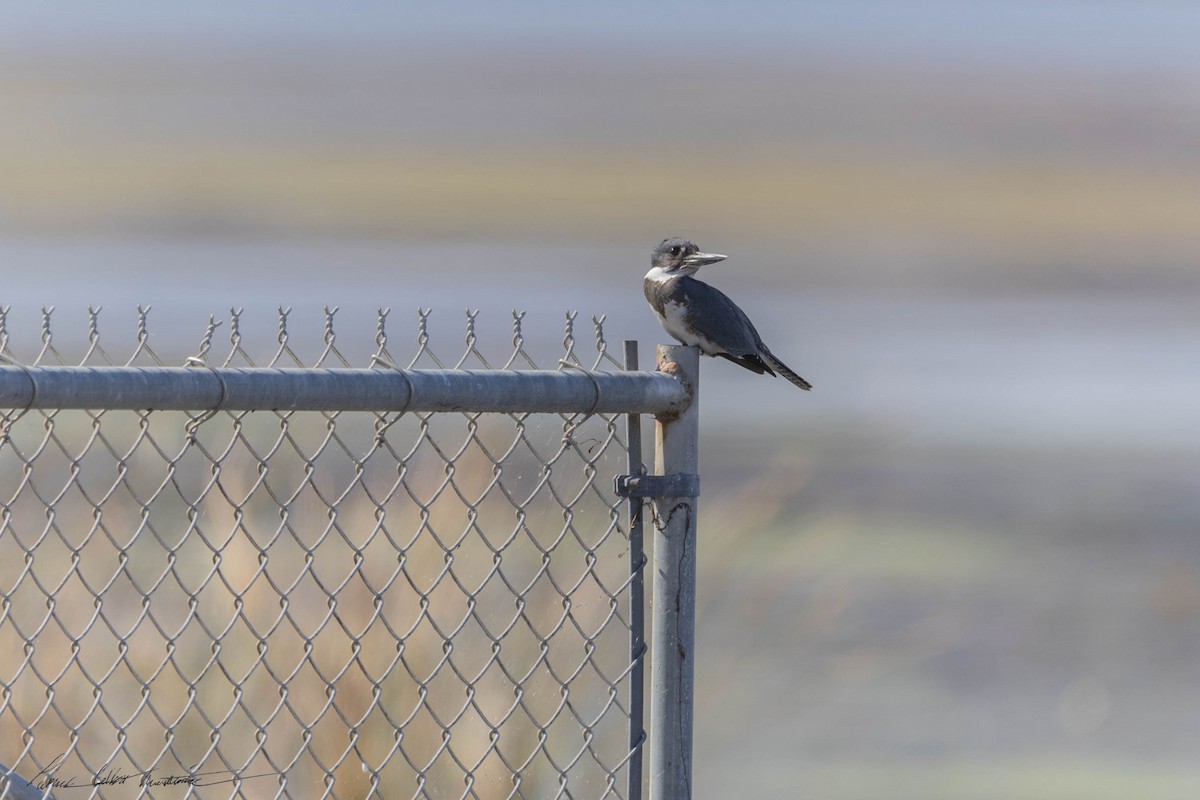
x: 399, y: 602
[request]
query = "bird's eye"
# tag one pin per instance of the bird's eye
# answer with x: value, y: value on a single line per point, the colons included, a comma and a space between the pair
x: 676, y: 250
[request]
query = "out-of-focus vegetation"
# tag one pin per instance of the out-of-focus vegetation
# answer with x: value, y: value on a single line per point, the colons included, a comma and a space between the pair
x: 1036, y: 179
x: 595, y: 193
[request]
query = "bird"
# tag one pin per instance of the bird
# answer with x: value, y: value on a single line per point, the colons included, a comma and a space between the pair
x: 696, y: 314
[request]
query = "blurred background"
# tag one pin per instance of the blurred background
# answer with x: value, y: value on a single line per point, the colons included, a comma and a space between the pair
x: 966, y: 565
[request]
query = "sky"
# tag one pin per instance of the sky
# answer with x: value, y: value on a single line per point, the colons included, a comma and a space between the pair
x: 1061, y: 32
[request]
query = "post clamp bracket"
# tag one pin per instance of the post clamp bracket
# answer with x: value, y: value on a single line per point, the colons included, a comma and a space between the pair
x: 678, y: 485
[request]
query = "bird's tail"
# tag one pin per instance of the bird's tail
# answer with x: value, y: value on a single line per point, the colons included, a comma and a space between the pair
x: 783, y: 369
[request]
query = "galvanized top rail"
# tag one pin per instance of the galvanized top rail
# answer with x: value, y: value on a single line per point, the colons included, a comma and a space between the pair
x: 204, y: 388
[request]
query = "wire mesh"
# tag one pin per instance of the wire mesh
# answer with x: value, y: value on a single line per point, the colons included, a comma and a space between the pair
x: 315, y: 605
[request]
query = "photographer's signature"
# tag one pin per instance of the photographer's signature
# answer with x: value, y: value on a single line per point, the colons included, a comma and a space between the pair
x: 113, y: 776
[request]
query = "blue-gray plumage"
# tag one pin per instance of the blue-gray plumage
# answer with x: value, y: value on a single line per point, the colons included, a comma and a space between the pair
x: 696, y: 314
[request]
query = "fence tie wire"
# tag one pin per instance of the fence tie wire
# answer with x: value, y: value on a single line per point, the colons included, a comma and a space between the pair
x: 194, y: 423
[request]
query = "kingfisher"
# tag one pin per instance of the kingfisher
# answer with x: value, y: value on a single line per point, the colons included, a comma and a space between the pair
x: 696, y: 314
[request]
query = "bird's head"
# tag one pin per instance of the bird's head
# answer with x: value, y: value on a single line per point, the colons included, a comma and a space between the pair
x: 676, y: 256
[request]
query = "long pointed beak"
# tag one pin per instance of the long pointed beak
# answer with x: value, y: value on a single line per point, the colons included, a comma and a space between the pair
x: 700, y: 259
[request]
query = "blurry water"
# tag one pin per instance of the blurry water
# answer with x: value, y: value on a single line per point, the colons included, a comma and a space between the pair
x: 1100, y: 370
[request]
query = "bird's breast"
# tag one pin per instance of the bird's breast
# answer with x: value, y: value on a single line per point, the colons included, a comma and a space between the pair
x: 674, y: 317
x: 670, y: 306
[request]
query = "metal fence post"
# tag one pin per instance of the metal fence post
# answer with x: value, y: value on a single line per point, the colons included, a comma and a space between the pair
x: 637, y: 595
x: 674, y: 617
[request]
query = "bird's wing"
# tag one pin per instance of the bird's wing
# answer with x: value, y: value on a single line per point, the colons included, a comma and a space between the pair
x: 718, y: 319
